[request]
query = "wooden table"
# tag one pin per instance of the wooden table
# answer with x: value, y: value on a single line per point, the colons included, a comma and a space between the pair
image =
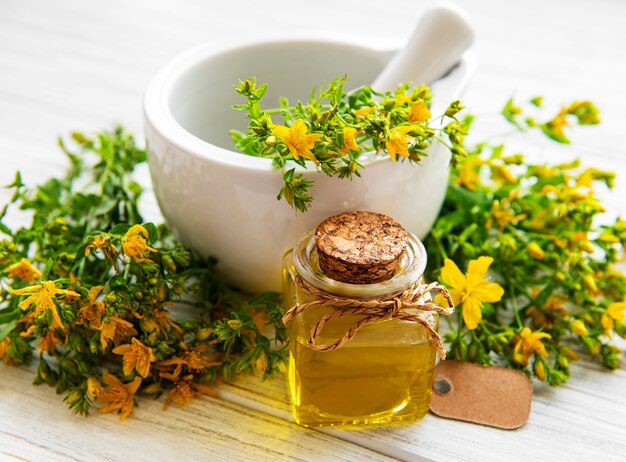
x: 75, y: 65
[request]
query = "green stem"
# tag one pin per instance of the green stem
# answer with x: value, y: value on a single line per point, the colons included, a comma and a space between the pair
x: 518, y: 319
x: 439, y: 244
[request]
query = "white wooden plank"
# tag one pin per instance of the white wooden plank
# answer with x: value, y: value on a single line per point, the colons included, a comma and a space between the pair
x: 37, y: 426
x: 588, y: 413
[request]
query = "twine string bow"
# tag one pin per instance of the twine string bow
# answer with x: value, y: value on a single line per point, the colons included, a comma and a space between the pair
x: 372, y: 310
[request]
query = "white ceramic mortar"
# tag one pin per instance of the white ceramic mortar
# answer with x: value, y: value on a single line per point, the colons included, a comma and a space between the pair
x: 223, y: 203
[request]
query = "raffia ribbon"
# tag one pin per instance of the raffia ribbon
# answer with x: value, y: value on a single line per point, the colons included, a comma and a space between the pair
x: 373, y: 310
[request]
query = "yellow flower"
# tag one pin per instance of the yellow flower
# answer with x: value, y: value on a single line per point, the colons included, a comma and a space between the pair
x: 580, y: 240
x: 104, y: 243
x: 359, y: 113
x: 399, y: 141
x: 469, y: 173
x: 588, y: 176
x: 42, y: 295
x: 23, y: 270
x: 501, y: 215
x: 97, y: 242
x: 401, y: 98
x: 195, y: 360
x: 134, y: 243
x: 349, y: 141
x: 502, y: 173
x: 578, y: 327
x: 93, y: 310
x: 559, y: 122
x: 48, y: 341
x: 185, y: 390
x: 116, y: 329
x: 614, y: 312
x: 535, y: 251
x: 137, y: 356
x: 118, y: 396
x: 419, y: 112
x: 528, y: 343
x: 553, y: 309
x: 5, y: 343
x: 472, y: 288
x: 297, y: 139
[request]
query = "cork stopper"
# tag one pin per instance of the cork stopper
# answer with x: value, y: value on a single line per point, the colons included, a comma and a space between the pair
x: 360, y: 247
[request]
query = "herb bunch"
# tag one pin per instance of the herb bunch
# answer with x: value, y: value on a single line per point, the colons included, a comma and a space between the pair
x: 536, y: 227
x: 334, y: 129
x: 109, y: 306
x: 89, y: 291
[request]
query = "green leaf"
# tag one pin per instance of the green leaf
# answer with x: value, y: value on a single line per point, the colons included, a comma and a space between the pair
x: 6, y: 329
x: 260, y: 91
x: 48, y: 268
x: 119, y: 229
x: 5, y: 229
x: 153, y: 234
x: 8, y: 314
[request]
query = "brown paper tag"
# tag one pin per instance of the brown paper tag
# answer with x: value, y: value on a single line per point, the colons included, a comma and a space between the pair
x: 487, y: 395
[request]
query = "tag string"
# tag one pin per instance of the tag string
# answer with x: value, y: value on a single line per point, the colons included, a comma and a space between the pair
x: 372, y: 310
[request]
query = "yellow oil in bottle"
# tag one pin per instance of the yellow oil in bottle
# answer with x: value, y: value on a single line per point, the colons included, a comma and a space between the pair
x: 383, y: 374
x: 361, y: 384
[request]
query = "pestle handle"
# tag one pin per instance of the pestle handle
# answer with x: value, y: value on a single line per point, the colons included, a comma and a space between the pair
x: 437, y: 44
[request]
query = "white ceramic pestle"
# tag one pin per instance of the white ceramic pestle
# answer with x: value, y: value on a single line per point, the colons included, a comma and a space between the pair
x: 438, y: 42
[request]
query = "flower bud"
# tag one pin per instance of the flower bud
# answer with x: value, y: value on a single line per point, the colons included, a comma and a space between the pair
x: 152, y: 388
x: 73, y: 398
x: 203, y: 334
x: 150, y: 325
x: 454, y: 108
x: 578, y: 327
x: 535, y: 251
x: 234, y: 324
x: 324, y: 117
x: 168, y: 263
x: 288, y: 193
x: 261, y: 363
x: 459, y: 151
x: 472, y: 352
x: 540, y: 370
x: 587, y: 246
x: 590, y: 284
x: 93, y: 386
x: 569, y: 353
x: 389, y: 104
x: 271, y: 140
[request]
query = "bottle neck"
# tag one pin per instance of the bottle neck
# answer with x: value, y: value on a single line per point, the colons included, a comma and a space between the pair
x: 410, y: 270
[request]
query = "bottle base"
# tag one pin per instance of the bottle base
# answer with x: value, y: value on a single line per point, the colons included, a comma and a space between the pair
x: 309, y: 416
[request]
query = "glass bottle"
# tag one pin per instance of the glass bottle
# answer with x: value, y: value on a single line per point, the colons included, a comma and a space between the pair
x: 383, y: 373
